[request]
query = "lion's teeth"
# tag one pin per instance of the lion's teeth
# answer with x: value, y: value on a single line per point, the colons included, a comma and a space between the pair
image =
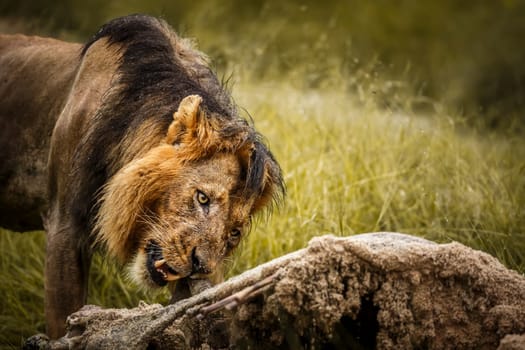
x: 158, y: 264
x: 162, y: 267
x: 163, y: 273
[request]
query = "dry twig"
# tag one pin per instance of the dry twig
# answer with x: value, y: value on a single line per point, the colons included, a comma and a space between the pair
x: 229, y: 303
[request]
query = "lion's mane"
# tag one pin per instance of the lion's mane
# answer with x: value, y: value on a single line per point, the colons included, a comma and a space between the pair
x: 157, y: 70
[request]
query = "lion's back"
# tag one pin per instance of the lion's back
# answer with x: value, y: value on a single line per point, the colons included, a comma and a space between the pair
x: 35, y: 76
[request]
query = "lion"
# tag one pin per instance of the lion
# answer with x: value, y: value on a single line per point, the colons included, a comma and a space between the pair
x: 128, y: 145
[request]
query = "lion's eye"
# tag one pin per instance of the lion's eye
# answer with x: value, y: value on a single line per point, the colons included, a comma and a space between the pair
x: 235, y: 237
x: 202, y: 198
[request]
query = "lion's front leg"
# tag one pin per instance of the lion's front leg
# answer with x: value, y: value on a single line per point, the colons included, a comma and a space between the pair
x: 66, y: 277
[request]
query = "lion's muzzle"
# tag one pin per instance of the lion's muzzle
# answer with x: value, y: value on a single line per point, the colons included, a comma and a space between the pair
x: 162, y: 272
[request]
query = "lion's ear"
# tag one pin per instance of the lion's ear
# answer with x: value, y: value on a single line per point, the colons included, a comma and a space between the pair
x: 272, y: 188
x: 186, y: 120
x: 264, y: 177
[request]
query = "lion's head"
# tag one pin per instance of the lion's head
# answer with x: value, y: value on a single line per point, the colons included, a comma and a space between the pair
x: 182, y: 207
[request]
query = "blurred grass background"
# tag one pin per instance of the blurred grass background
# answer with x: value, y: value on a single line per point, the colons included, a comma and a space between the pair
x: 403, y: 116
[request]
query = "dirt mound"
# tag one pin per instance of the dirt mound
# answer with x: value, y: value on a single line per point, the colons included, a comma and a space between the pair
x: 380, y: 290
x: 388, y: 291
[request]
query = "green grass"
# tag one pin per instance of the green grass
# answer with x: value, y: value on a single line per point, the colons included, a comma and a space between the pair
x: 21, y: 286
x: 350, y: 167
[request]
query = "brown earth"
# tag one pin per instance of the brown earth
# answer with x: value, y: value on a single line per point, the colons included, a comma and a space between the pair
x: 380, y: 290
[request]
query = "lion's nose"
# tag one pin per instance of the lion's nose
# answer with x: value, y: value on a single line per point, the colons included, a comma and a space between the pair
x: 198, y: 263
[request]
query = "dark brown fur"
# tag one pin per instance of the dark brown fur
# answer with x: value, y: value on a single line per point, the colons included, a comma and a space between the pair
x: 126, y: 131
